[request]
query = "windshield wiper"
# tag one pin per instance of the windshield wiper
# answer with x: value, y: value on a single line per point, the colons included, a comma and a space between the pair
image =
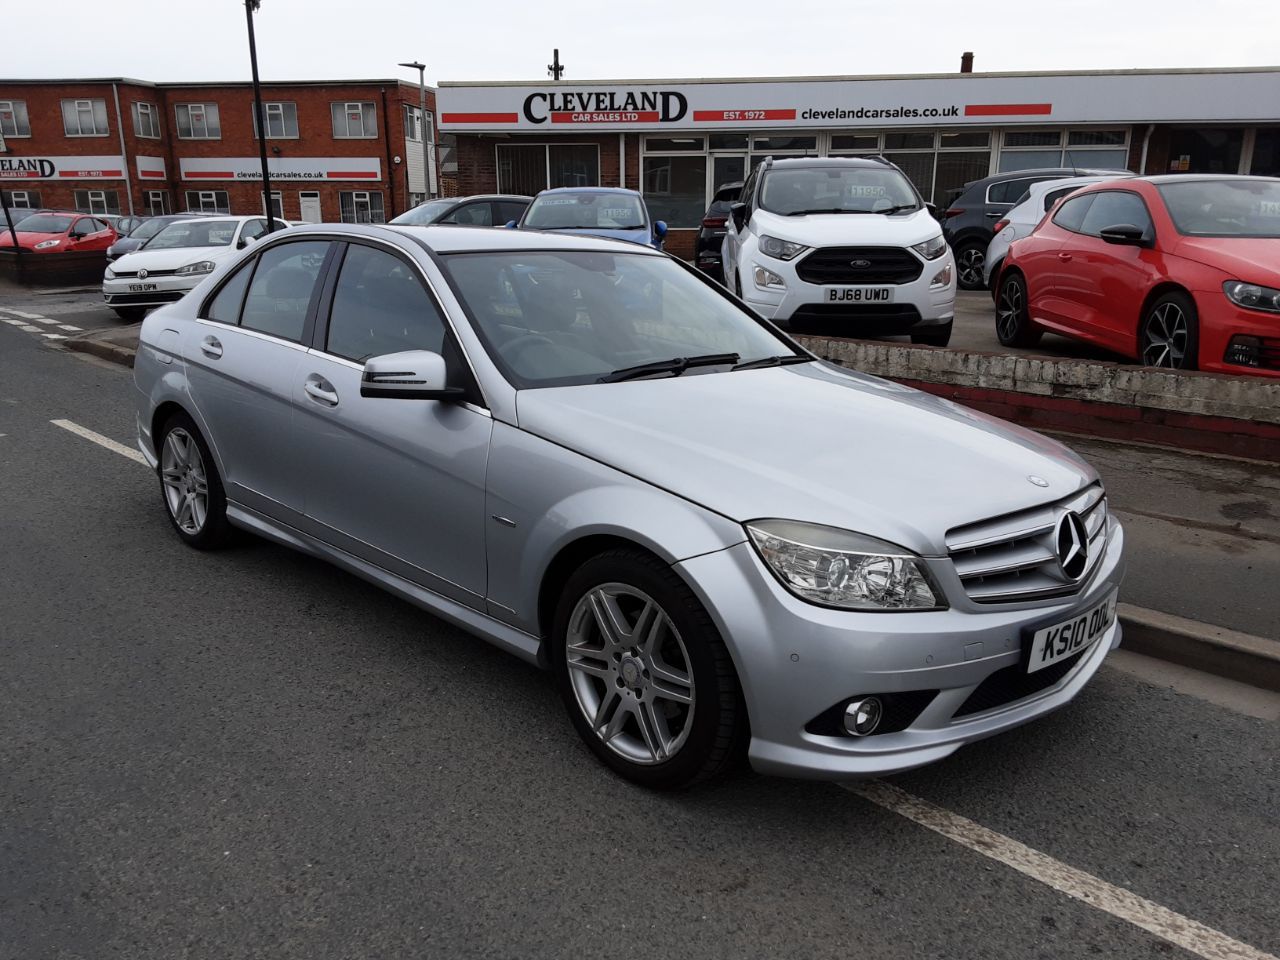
x: 898, y: 209
x: 674, y: 366
x: 805, y: 213
x: 781, y: 361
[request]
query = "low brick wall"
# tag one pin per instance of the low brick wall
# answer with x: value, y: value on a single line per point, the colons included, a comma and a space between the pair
x: 1193, y: 411
x: 53, y: 269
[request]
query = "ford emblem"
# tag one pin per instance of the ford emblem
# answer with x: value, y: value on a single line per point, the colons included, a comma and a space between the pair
x: 860, y: 264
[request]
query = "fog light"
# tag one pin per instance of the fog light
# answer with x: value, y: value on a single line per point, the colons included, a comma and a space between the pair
x: 767, y: 278
x: 861, y: 717
x: 1246, y: 351
x: 942, y: 278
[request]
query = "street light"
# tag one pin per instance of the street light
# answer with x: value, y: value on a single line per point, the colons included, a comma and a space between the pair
x: 249, y: 7
x: 422, y: 120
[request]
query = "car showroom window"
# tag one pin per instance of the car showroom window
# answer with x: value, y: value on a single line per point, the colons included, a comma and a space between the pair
x: 13, y: 119
x: 282, y: 120
x: 354, y: 120
x: 226, y: 303
x: 675, y: 179
x: 198, y: 121
x: 84, y: 118
x: 1071, y: 214
x: 146, y: 120
x: 381, y: 307
x: 1111, y: 208
x: 527, y: 168
x: 280, y: 292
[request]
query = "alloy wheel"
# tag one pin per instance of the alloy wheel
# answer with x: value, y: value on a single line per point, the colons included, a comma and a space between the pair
x: 1009, y: 312
x: 1166, y: 337
x: 186, y: 485
x: 969, y: 267
x: 630, y: 673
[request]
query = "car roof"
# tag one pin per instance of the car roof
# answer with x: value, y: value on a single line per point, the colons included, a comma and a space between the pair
x: 484, y: 196
x: 1202, y: 177
x: 465, y: 238
x: 631, y: 193
x: 786, y: 162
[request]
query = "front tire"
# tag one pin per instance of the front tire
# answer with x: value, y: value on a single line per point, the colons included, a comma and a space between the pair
x: 190, y: 487
x: 130, y: 314
x: 1170, y: 333
x: 1013, y: 318
x: 643, y: 672
x: 970, y: 258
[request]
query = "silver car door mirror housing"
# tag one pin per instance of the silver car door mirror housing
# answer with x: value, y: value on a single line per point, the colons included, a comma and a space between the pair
x: 411, y: 375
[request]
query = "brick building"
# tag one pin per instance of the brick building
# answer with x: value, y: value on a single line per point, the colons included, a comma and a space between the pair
x: 338, y: 150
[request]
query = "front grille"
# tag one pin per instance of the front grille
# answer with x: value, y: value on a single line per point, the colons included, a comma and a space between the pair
x: 1014, y: 683
x: 900, y: 711
x: 883, y: 265
x: 857, y: 319
x: 130, y: 274
x: 1014, y: 557
x: 155, y: 296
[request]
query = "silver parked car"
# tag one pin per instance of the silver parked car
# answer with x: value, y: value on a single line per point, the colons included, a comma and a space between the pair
x: 583, y: 452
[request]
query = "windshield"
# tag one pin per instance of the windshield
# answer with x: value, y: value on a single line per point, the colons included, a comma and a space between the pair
x: 559, y: 318
x: 42, y: 223
x: 194, y: 233
x: 1224, y: 208
x: 801, y: 190
x: 585, y: 211
x: 425, y: 213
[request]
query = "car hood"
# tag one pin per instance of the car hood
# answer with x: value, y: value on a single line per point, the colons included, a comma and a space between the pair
x: 810, y: 442
x: 641, y: 236
x: 848, y: 229
x: 169, y: 259
x: 1255, y: 259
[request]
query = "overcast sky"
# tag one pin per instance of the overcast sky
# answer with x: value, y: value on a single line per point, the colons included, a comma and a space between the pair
x: 174, y: 40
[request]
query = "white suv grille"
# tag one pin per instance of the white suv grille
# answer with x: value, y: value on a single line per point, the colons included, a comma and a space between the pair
x: 1016, y: 557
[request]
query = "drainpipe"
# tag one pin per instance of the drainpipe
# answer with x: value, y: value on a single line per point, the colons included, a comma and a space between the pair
x: 386, y: 139
x: 1146, y: 141
x: 622, y: 160
x: 124, y: 154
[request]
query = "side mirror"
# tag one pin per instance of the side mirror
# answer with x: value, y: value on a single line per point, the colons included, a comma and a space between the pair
x: 739, y: 213
x: 660, y: 228
x: 1125, y: 235
x: 511, y: 224
x: 411, y: 375
x: 243, y: 242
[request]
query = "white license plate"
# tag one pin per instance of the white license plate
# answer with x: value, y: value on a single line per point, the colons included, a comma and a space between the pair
x: 141, y: 287
x: 1065, y: 639
x: 859, y: 294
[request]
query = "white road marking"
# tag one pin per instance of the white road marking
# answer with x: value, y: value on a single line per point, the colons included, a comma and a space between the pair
x: 35, y: 319
x: 68, y: 326
x: 30, y: 328
x: 100, y: 440
x: 19, y: 313
x: 1162, y: 922
x: 13, y: 322
x: 54, y: 336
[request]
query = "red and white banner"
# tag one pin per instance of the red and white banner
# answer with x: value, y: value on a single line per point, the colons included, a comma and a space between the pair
x: 150, y: 168
x: 280, y: 168
x: 62, y: 168
x: 1202, y: 96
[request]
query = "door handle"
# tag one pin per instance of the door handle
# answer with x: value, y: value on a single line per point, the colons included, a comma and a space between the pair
x: 994, y: 216
x: 211, y: 347
x: 1064, y: 257
x: 320, y: 390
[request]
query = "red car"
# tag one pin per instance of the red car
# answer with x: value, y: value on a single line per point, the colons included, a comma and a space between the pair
x: 58, y: 233
x: 1177, y: 271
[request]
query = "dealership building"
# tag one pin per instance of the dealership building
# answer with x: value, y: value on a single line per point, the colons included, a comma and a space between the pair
x: 677, y: 140
x: 338, y: 150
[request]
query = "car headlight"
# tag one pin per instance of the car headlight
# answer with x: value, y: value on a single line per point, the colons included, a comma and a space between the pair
x: 839, y: 568
x: 932, y: 248
x: 194, y: 269
x: 46, y: 244
x: 109, y: 275
x: 780, y: 249
x: 1252, y: 296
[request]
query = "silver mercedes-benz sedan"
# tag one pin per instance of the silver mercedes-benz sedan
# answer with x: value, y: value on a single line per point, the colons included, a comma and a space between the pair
x: 583, y: 452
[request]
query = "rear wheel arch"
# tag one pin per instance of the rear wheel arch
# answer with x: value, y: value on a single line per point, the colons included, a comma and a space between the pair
x: 162, y: 415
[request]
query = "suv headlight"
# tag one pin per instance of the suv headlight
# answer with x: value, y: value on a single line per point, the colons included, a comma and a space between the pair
x: 194, y: 269
x: 1252, y: 296
x: 839, y: 568
x: 780, y: 249
x: 931, y: 249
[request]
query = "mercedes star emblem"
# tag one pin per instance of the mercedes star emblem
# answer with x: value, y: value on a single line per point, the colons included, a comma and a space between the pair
x: 1071, y: 542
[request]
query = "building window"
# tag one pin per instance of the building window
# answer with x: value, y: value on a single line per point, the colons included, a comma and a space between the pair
x: 354, y: 120
x: 1034, y: 149
x: 157, y: 203
x: 22, y: 199
x: 277, y: 205
x: 208, y: 201
x: 412, y: 124
x: 675, y: 188
x: 146, y: 120
x: 13, y: 119
x: 84, y: 118
x: 282, y: 121
x: 526, y: 168
x: 97, y: 201
x: 361, y: 206
x: 198, y: 121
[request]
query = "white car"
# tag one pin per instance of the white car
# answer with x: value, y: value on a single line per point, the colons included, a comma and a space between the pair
x: 1029, y: 211
x: 843, y: 242
x: 174, y: 261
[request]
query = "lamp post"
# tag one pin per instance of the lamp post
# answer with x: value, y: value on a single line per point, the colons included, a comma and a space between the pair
x: 422, y: 121
x: 249, y: 7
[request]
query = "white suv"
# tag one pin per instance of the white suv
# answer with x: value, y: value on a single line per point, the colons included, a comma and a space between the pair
x: 842, y: 242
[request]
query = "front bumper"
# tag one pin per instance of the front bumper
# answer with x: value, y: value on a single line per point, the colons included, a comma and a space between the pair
x: 167, y: 289
x: 915, y: 305
x: 795, y: 660
x: 1221, y: 321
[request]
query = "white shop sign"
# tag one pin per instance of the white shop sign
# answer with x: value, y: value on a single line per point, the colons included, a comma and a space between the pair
x: 280, y: 168
x: 955, y: 100
x: 150, y: 168
x: 61, y: 168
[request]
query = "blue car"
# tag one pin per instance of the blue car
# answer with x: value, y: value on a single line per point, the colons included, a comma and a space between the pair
x: 596, y: 211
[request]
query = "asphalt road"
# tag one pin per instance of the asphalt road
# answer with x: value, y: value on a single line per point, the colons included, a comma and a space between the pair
x: 251, y: 754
